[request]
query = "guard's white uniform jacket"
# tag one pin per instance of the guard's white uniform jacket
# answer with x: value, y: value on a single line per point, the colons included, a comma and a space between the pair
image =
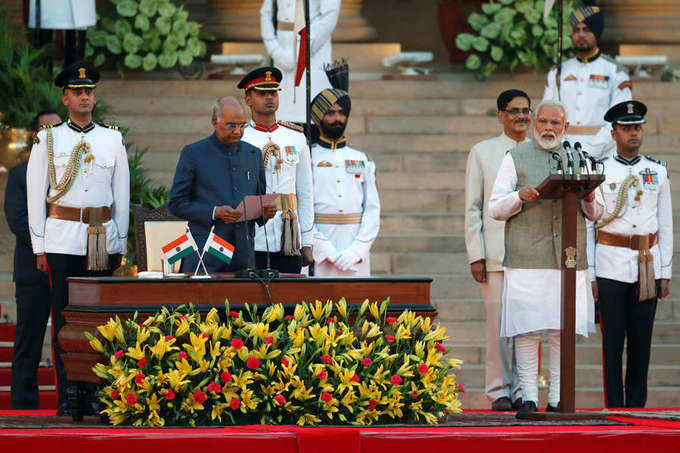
x: 653, y: 213
x: 294, y: 177
x: 64, y: 14
x: 344, y: 183
x: 104, y: 181
x: 283, y: 45
x: 588, y: 89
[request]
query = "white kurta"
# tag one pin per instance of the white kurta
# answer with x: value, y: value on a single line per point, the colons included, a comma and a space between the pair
x: 587, y: 91
x: 294, y: 177
x: 340, y: 190
x: 64, y: 14
x: 105, y: 181
x: 283, y: 45
x: 532, y: 297
x: 652, y: 214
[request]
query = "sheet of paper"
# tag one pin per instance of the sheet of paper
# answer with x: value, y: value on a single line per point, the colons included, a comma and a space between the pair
x: 254, y: 206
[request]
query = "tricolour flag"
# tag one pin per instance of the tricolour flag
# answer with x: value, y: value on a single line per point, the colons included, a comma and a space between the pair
x: 299, y: 28
x: 219, y: 248
x: 179, y: 248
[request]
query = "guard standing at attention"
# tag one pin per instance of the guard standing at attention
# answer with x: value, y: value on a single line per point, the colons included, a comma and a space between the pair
x: 630, y: 255
x: 288, y: 236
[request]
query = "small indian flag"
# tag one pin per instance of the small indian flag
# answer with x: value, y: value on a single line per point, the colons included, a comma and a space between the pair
x: 179, y: 248
x: 219, y: 248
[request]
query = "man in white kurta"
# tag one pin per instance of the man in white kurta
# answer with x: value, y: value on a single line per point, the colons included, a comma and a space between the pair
x: 484, y: 240
x: 283, y: 45
x: 531, y: 295
x: 346, y: 203
x: 590, y: 83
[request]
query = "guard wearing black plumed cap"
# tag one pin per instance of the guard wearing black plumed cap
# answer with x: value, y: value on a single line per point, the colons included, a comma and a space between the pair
x: 633, y: 250
x: 589, y: 83
x: 267, y: 78
x: 78, y: 193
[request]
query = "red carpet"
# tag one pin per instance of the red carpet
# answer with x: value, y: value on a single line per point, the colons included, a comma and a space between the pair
x: 640, y: 435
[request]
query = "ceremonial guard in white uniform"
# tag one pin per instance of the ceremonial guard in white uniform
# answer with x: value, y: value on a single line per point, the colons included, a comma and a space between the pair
x: 288, y: 171
x: 590, y: 83
x: 630, y: 255
x: 277, y: 26
x: 346, y: 204
x: 80, y: 169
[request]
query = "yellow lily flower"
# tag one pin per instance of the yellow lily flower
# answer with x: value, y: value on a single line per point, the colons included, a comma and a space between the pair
x: 107, y: 330
x: 183, y: 327
x: 317, y: 310
x: 212, y: 316
x: 97, y: 345
x: 308, y: 419
x: 341, y: 307
x: 135, y: 352
x: 142, y: 334
x: 373, y: 309
x: 177, y: 381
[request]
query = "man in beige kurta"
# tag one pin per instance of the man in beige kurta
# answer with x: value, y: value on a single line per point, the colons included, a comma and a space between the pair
x: 484, y: 239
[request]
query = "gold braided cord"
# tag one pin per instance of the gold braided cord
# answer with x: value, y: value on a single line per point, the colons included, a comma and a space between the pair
x: 621, y: 200
x: 272, y: 149
x: 71, y: 171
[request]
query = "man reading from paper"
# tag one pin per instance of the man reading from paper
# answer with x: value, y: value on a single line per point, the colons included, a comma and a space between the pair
x: 212, y: 177
x: 533, y: 252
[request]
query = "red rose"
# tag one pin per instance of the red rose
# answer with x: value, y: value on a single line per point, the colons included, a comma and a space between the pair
x: 461, y: 389
x: 269, y: 340
x: 214, y: 387
x: 327, y: 397
x: 139, y: 378
x: 288, y: 317
x: 200, y: 397
x: 372, y: 404
x: 169, y: 338
x: 330, y: 320
x: 422, y: 368
x: 253, y: 363
x: 183, y: 317
x: 131, y: 399
x: 141, y: 362
x: 205, y: 335
x: 280, y: 399
x: 235, y: 403
x: 115, y: 394
x: 326, y: 359
x: 284, y: 361
x: 182, y: 355
x: 236, y: 343
x: 355, y: 378
x: 366, y: 361
x: 440, y: 347
x: 119, y: 353
x: 389, y: 338
x: 396, y: 379
x: 414, y: 394
x: 225, y: 376
x: 322, y: 375
x: 391, y: 320
x: 170, y: 395
x: 233, y: 314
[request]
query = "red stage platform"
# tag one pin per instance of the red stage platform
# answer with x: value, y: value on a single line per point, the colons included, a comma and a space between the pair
x: 38, y: 432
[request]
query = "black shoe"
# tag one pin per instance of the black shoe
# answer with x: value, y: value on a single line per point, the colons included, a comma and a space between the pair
x: 517, y: 404
x: 550, y: 408
x: 527, y: 407
x: 502, y: 404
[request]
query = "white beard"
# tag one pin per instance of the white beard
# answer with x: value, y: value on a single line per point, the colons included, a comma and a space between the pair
x: 548, y: 143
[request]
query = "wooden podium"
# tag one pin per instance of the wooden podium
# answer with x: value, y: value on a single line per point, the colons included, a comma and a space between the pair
x: 569, y: 188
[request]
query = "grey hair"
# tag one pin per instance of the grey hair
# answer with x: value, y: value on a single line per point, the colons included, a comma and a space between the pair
x: 552, y: 103
x: 225, y: 101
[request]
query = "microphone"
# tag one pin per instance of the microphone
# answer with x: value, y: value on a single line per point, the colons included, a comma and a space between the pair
x: 581, y: 158
x: 268, y: 272
x: 558, y: 158
x: 570, y: 157
x: 593, y: 162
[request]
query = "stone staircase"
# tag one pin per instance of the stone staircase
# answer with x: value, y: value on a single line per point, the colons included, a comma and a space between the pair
x: 419, y: 134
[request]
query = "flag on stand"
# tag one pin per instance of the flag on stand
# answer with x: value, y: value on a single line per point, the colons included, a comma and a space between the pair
x: 219, y: 248
x: 299, y: 28
x: 179, y: 248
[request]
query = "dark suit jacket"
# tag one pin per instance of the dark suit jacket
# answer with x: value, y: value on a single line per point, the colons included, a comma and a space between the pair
x: 211, y: 174
x: 16, y: 212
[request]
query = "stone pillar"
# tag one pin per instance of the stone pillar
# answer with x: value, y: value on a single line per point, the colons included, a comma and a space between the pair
x: 641, y: 21
x: 239, y: 20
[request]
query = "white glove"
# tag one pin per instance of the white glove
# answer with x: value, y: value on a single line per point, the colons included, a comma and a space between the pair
x: 283, y: 59
x: 347, y: 260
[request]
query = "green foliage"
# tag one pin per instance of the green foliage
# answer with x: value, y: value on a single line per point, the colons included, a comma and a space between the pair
x: 512, y: 33
x: 132, y: 34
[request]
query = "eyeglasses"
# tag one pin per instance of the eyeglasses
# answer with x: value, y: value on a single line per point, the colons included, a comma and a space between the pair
x: 516, y: 111
x: 233, y: 126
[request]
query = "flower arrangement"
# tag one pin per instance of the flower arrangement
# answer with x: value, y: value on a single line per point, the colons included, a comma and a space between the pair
x: 314, y: 366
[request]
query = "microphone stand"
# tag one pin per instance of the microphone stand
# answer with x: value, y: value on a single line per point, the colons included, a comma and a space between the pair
x: 267, y: 273
x: 248, y: 272
x: 570, y: 158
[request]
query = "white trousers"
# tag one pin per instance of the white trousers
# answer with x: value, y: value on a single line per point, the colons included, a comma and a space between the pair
x: 501, y: 379
x: 526, y: 350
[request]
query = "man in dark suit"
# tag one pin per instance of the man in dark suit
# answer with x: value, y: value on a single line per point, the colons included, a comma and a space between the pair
x: 32, y: 290
x: 212, y: 177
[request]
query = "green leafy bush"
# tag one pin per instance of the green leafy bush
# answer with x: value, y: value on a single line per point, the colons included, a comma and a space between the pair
x: 144, y: 34
x: 512, y: 33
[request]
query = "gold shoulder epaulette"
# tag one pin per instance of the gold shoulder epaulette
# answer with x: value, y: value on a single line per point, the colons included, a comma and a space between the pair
x: 108, y: 126
x: 292, y: 126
